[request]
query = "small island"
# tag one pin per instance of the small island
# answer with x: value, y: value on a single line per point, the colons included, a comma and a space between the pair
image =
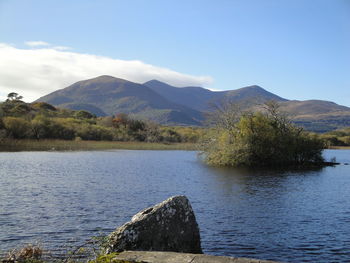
x: 265, y: 138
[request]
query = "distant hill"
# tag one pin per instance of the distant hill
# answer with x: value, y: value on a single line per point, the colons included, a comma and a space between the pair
x: 317, y: 115
x: 166, y: 104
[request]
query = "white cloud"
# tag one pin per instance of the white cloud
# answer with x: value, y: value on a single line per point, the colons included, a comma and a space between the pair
x: 36, y: 43
x: 62, y: 48
x: 36, y: 72
x: 41, y: 44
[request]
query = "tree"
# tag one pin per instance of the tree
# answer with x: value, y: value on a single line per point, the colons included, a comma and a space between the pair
x: 13, y: 96
x: 264, y: 138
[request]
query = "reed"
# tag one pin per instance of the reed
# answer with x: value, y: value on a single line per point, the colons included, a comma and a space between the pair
x: 66, y: 145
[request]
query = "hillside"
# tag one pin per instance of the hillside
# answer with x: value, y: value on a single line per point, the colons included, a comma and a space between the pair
x: 200, y: 99
x: 106, y: 95
x: 166, y: 104
x: 195, y: 97
x: 317, y: 115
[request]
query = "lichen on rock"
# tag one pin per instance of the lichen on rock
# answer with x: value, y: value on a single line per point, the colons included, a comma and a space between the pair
x: 168, y: 226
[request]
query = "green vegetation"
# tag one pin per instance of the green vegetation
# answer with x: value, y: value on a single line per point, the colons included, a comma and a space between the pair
x: 91, y: 251
x: 339, y: 137
x: 76, y: 145
x: 265, y: 138
x: 109, y: 258
x: 39, y: 125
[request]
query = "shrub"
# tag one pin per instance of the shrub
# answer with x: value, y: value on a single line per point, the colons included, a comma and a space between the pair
x: 93, y: 132
x: 121, y: 119
x: 82, y: 114
x: 28, y: 254
x: 332, y: 140
x: 40, y: 127
x: 170, y: 135
x: 17, y: 128
x: 105, y: 121
x: 152, y: 132
x: 58, y: 130
x: 337, y: 137
x: 43, y: 106
x: 52, y: 128
x: 2, y: 126
x: 121, y: 134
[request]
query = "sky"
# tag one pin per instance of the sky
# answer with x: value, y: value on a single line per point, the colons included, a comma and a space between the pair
x: 297, y: 49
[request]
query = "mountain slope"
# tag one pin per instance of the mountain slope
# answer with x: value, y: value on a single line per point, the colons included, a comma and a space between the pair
x: 317, y: 115
x: 112, y: 95
x: 252, y: 94
x: 311, y: 107
x: 195, y: 97
x: 200, y: 99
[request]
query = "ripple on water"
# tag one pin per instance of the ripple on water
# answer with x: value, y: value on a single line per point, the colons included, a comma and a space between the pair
x: 63, y: 198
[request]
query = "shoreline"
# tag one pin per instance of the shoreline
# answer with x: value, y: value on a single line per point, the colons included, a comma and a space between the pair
x: 11, y: 145
x: 339, y: 148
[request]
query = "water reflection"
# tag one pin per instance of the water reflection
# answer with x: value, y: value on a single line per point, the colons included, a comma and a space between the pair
x: 291, y: 210
x: 250, y: 181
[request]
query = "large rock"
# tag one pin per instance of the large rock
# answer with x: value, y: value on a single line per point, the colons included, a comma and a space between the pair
x: 167, y: 226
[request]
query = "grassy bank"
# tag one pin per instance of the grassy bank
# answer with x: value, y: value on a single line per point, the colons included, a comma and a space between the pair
x: 65, y: 145
x: 339, y: 147
x: 69, y: 145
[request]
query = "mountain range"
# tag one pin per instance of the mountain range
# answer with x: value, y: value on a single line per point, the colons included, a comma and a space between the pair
x: 166, y: 104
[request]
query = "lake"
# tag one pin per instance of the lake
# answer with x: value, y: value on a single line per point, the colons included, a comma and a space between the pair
x: 64, y: 198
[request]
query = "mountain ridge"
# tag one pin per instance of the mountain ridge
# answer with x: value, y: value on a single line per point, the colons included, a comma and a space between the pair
x: 113, y: 95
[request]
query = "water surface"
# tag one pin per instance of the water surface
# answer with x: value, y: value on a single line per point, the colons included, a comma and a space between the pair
x: 64, y: 198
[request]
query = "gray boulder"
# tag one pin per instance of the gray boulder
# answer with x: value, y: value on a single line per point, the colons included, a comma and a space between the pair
x: 167, y: 226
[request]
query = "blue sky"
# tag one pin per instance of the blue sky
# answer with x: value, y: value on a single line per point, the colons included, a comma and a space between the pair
x: 297, y: 49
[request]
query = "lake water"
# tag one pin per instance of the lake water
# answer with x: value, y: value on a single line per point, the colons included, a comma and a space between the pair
x: 60, y: 198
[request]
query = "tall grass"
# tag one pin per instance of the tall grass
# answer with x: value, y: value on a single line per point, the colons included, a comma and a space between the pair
x: 65, y: 145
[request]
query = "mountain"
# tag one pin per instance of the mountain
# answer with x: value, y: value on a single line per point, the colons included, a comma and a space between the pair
x: 106, y: 95
x: 251, y: 95
x: 200, y: 99
x: 314, y: 115
x: 311, y: 107
x: 193, y: 97
x: 166, y: 104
